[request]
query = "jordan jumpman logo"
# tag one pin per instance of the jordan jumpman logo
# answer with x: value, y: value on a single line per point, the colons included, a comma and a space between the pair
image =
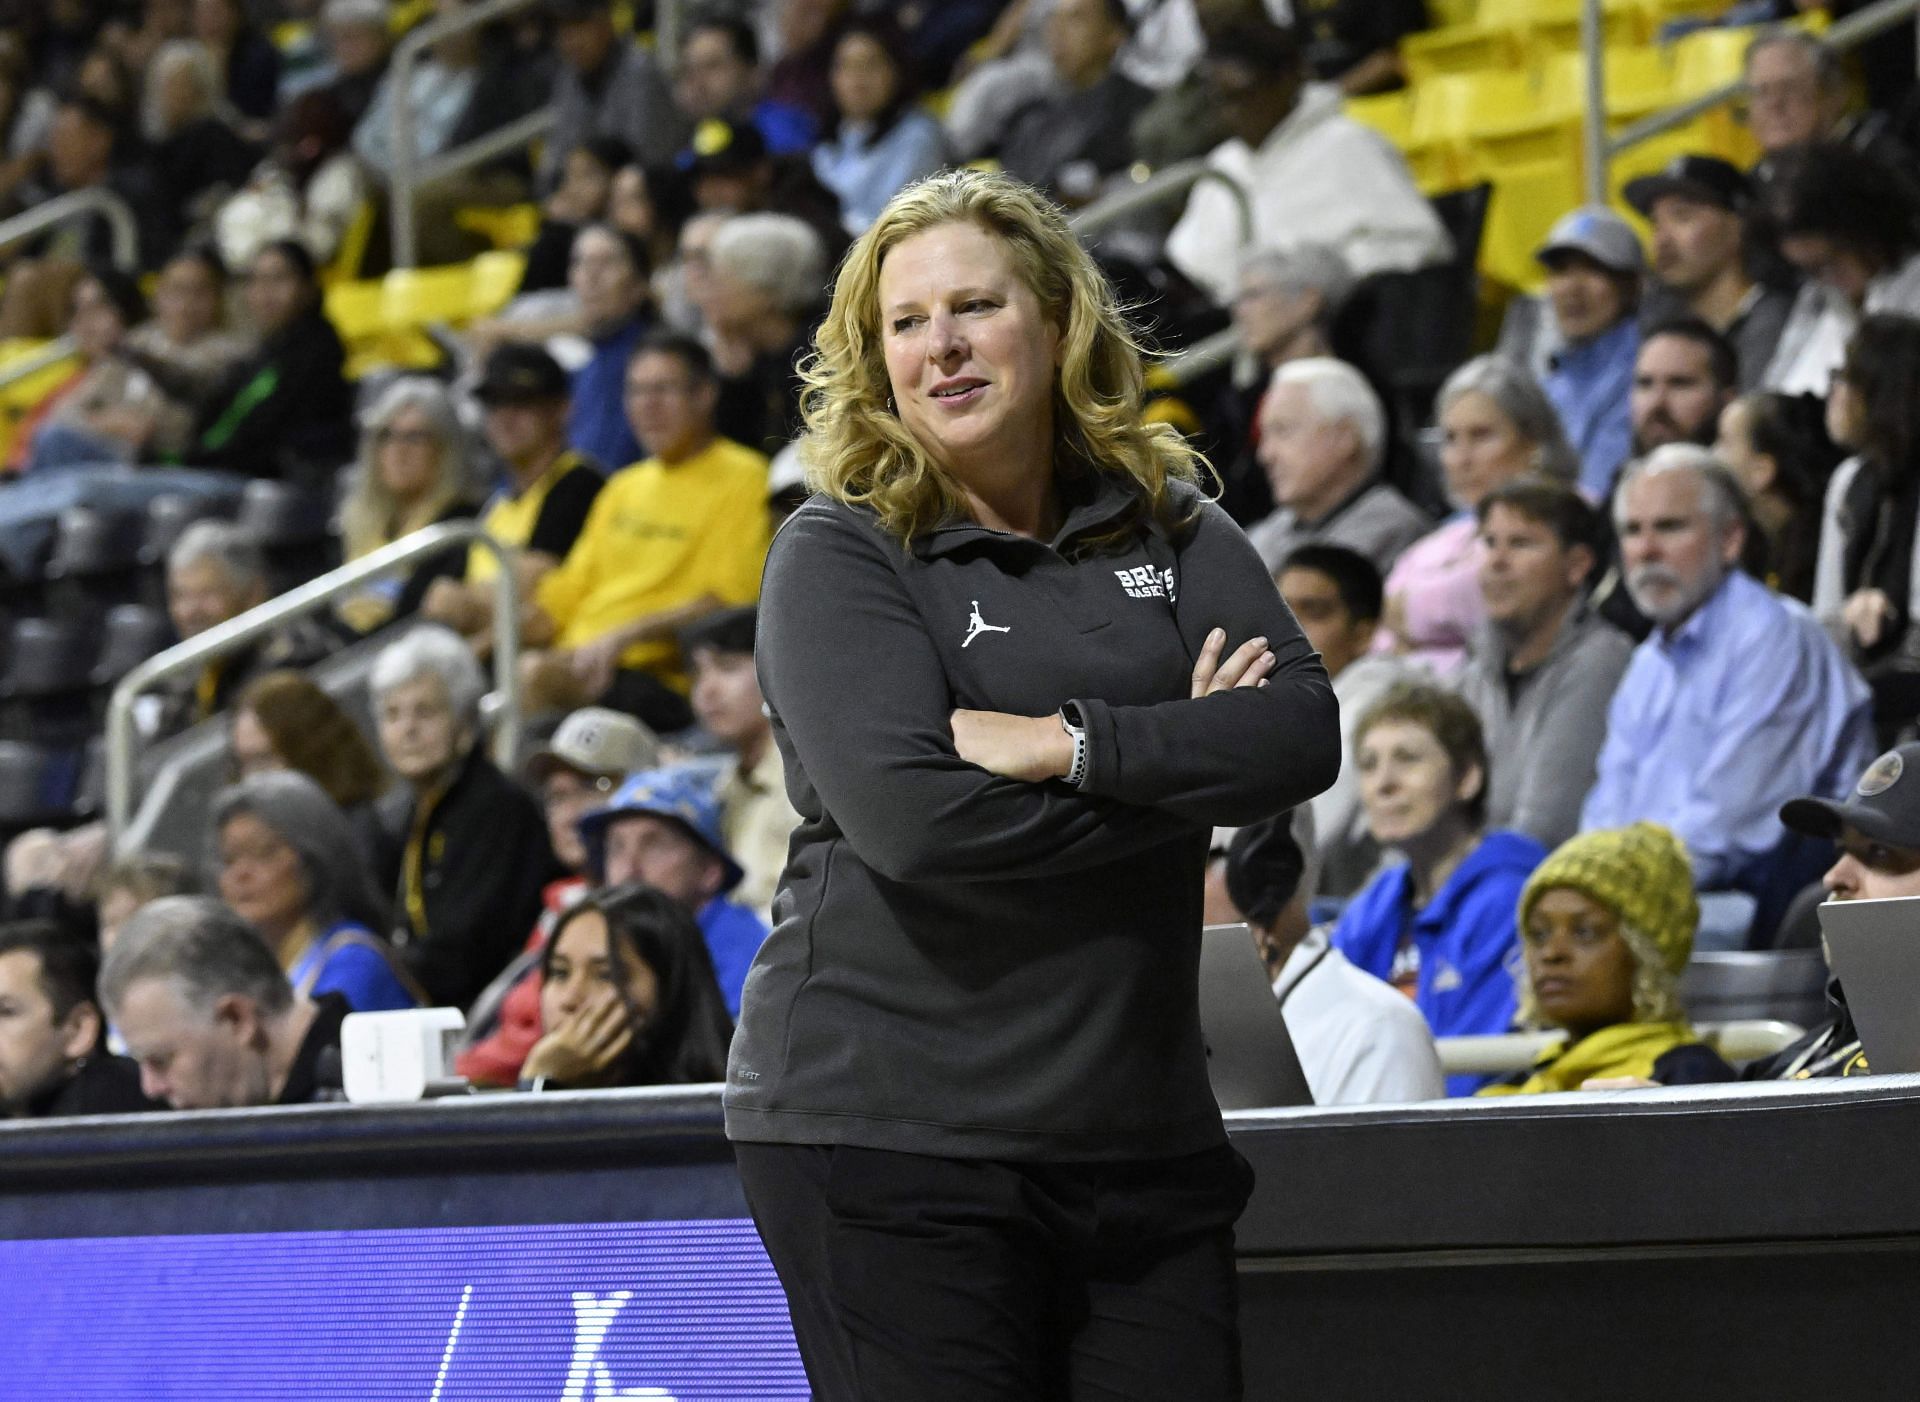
x: 977, y: 625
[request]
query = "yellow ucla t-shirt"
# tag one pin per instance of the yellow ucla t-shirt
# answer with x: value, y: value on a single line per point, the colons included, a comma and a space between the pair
x: 661, y: 535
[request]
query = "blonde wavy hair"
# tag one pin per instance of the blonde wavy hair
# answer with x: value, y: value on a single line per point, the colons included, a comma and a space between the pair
x: 859, y: 452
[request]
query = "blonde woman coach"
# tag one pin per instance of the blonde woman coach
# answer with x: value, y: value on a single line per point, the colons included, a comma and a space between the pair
x: 1018, y: 669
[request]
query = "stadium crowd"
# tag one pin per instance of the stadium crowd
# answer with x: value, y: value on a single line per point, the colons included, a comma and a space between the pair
x: 1619, y: 613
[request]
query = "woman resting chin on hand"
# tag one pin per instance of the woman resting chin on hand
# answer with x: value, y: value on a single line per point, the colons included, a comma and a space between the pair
x: 627, y: 998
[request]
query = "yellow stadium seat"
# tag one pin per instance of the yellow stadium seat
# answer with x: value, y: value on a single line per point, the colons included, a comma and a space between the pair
x: 1639, y: 80
x: 1463, y: 48
x: 1559, y: 140
x: 354, y: 309
x: 347, y: 258
x: 1708, y: 59
x: 1447, y: 12
x: 412, y: 297
x: 1390, y: 114
x: 1450, y: 108
x: 496, y: 277
x: 1526, y: 202
x: 506, y: 226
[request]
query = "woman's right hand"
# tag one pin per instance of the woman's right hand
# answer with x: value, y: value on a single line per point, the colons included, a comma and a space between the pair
x: 583, y: 1044
x: 1248, y: 666
x: 1867, y: 613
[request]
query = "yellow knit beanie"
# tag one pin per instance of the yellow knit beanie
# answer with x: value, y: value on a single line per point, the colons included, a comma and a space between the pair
x: 1640, y: 873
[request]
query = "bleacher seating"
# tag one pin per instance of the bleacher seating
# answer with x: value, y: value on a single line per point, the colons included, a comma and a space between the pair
x: 1499, y: 96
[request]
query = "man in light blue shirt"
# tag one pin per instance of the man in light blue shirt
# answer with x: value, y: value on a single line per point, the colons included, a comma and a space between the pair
x: 1593, y: 262
x: 1737, y: 702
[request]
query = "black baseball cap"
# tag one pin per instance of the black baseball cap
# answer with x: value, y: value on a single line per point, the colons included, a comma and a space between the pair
x: 568, y: 11
x: 1706, y: 179
x: 1885, y: 804
x: 521, y: 373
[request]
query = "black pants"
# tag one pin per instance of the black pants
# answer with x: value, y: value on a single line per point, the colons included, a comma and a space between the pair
x: 916, y: 1279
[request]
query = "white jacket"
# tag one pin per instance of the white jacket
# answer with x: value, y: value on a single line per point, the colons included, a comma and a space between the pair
x: 1319, y: 177
x: 1359, y: 1041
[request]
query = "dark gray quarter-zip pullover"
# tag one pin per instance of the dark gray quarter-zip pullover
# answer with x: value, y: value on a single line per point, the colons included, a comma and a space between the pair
x: 974, y: 966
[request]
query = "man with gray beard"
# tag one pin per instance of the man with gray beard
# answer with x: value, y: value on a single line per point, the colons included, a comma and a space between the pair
x: 1738, y: 700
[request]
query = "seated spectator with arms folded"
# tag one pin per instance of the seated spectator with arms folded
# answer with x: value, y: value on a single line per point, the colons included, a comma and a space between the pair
x: 469, y: 853
x: 1358, y: 1040
x: 1736, y: 702
x: 1440, y: 925
x: 628, y: 998
x: 1607, y: 925
x: 209, y: 1015
x: 667, y: 542
x: 1544, y: 665
x: 53, y: 1052
x: 1323, y: 440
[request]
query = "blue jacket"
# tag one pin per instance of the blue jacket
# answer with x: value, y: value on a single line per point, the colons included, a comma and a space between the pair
x: 1469, y: 948
x: 734, y: 935
x: 1591, y: 384
x: 597, y: 421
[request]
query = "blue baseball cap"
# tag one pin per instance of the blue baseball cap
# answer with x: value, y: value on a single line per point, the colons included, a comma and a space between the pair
x: 679, y: 793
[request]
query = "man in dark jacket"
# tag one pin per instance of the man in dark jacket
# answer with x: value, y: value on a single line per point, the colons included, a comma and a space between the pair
x: 1877, y: 829
x: 53, y: 1056
x: 208, y: 1013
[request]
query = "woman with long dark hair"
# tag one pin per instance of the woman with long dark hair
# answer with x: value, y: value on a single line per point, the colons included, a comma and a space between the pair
x: 881, y: 140
x: 628, y: 997
x: 1864, y: 580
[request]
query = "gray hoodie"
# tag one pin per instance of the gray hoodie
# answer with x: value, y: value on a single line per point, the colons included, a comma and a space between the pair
x: 972, y: 966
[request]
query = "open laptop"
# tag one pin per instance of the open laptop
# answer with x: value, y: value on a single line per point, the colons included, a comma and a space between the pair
x: 1250, y: 1055
x: 1874, y: 948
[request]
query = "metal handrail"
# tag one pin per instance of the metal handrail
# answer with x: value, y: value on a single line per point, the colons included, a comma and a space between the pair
x: 1844, y: 36
x: 255, y: 623
x: 1208, y: 353
x: 1162, y: 187
x: 406, y: 177
x: 52, y: 353
x: 78, y: 204
x: 516, y: 135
